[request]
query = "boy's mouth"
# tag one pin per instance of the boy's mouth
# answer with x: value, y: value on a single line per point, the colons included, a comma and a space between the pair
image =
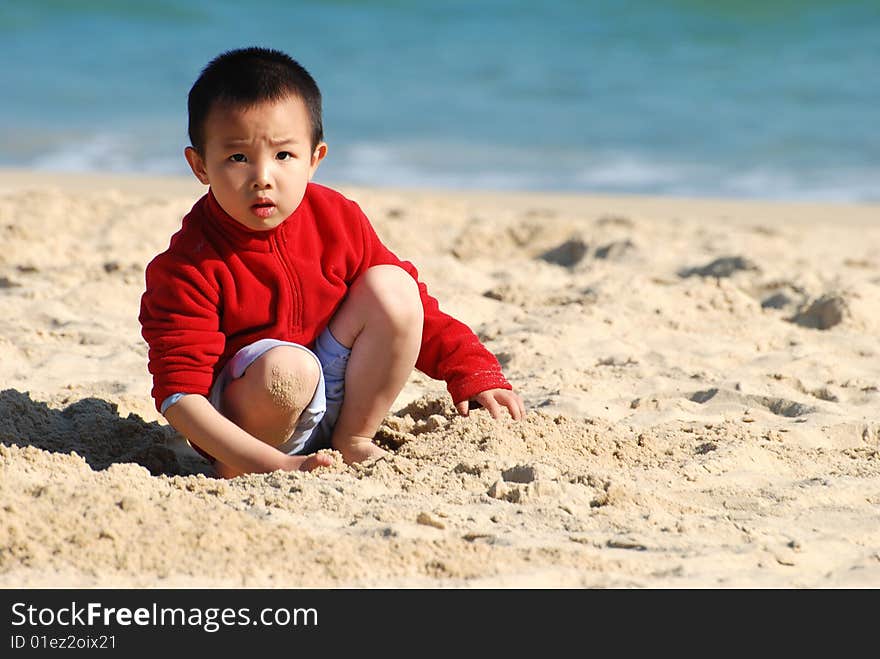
x: 263, y: 208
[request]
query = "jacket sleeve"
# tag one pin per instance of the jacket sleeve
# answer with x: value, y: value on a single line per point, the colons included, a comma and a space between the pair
x: 450, y: 351
x: 180, y: 322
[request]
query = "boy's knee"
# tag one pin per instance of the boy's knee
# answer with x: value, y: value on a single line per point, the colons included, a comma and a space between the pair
x: 268, y: 399
x: 395, y: 293
x: 286, y: 376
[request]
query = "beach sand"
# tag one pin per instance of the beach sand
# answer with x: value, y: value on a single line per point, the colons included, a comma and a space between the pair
x: 702, y: 379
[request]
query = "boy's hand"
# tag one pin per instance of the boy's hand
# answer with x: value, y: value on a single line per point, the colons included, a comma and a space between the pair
x: 494, y: 400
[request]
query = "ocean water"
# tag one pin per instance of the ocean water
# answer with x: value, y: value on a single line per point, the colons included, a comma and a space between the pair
x: 738, y: 98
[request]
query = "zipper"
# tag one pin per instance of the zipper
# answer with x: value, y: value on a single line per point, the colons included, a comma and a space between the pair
x: 280, y: 241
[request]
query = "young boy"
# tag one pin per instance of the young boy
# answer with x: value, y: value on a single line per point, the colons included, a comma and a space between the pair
x: 277, y: 322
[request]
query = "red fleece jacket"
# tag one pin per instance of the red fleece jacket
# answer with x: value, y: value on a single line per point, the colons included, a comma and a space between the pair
x: 220, y: 286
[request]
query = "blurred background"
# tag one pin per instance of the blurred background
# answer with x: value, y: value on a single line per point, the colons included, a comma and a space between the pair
x: 739, y: 98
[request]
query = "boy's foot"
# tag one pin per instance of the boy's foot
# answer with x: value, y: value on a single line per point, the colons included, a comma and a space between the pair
x: 309, y: 462
x: 359, y: 449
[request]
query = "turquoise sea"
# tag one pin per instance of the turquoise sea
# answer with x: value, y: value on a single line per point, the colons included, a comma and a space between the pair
x: 743, y: 98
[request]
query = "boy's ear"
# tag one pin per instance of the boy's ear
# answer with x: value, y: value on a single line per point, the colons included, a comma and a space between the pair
x: 196, y: 164
x: 317, y: 156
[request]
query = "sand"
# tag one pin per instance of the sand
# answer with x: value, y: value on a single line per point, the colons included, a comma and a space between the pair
x: 702, y: 380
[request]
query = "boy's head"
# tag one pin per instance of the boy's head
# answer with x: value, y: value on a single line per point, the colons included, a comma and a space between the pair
x: 256, y: 133
x: 247, y: 77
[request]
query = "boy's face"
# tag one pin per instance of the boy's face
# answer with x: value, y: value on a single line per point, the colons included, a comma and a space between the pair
x: 258, y: 160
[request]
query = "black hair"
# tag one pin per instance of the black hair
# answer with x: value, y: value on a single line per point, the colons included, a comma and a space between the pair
x: 246, y: 77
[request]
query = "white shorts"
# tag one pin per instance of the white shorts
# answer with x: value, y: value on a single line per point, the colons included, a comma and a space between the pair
x: 316, y: 422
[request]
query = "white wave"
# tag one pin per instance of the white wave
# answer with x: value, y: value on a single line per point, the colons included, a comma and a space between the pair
x: 433, y: 164
x: 106, y: 152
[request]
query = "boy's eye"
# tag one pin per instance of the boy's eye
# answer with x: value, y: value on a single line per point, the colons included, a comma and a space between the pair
x: 237, y: 157
x: 284, y: 155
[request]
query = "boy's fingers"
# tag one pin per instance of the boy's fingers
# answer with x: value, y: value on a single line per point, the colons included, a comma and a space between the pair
x: 495, y: 404
x: 512, y: 402
x: 492, y: 405
x: 515, y: 409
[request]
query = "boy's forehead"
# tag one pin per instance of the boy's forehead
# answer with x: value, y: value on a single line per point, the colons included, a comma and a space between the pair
x: 289, y: 111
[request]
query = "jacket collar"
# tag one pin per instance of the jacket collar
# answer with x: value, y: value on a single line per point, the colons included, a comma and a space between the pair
x: 234, y: 231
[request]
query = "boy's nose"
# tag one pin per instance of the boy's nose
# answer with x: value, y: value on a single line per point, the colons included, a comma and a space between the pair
x: 262, y: 178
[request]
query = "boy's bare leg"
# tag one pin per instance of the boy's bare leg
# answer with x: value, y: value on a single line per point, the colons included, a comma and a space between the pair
x: 269, y: 398
x: 381, y: 320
